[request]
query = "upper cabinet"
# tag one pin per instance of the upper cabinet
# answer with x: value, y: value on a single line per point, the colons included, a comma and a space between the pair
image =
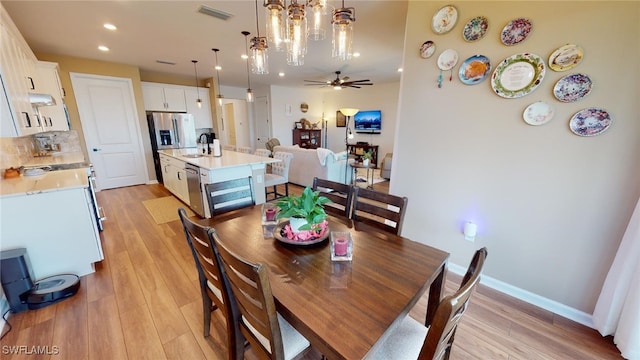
x: 201, y: 114
x: 178, y: 98
x: 161, y: 97
x: 22, y: 74
x: 17, y: 70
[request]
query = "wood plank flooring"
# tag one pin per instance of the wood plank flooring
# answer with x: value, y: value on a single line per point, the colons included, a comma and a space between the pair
x: 143, y: 302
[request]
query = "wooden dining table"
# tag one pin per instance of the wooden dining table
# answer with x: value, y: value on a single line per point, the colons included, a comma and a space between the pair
x: 344, y: 308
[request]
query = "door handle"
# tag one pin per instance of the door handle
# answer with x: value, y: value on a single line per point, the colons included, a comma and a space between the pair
x: 96, y: 149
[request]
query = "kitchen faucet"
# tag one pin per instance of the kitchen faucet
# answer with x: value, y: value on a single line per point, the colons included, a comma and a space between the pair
x: 206, y: 141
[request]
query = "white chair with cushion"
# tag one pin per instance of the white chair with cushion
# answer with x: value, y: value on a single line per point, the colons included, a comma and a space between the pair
x: 229, y: 147
x: 245, y: 149
x: 262, y: 152
x: 279, y: 175
x: 412, y: 340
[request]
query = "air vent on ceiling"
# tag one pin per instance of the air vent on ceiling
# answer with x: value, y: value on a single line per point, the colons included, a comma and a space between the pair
x: 214, y: 12
x: 165, y: 62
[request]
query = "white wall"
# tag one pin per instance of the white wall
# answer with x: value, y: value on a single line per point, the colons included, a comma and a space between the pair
x: 282, y: 98
x: 550, y: 206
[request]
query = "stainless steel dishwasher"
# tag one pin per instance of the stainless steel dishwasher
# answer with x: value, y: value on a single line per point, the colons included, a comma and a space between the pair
x: 195, y: 192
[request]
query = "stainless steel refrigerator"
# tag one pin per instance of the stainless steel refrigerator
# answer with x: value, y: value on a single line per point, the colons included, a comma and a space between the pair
x: 170, y: 131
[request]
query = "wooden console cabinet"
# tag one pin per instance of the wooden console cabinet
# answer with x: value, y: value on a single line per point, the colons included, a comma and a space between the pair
x: 357, y: 150
x: 307, y: 138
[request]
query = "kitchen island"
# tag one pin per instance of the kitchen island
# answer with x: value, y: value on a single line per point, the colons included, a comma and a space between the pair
x: 231, y: 165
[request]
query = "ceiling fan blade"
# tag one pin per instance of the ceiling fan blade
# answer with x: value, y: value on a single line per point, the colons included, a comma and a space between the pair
x: 355, y: 81
x: 316, y: 81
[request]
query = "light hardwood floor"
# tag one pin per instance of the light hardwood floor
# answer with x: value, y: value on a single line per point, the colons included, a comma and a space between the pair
x: 143, y: 302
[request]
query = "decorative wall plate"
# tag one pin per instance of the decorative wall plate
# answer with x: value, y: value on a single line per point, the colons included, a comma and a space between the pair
x: 538, y: 113
x: 474, y: 70
x: 448, y: 59
x: 516, y: 31
x: 518, y: 75
x: 475, y: 29
x: 444, y: 19
x: 590, y: 122
x: 572, y: 87
x: 565, y: 57
x: 427, y: 49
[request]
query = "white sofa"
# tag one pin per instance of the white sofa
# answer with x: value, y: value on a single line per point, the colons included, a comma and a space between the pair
x: 309, y: 163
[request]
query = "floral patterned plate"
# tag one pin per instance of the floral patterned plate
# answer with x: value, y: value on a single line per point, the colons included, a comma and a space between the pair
x: 572, y: 87
x: 518, y: 75
x: 516, y: 31
x: 427, y: 49
x: 538, y: 113
x: 475, y: 29
x: 445, y: 19
x: 448, y: 59
x: 590, y: 122
x: 565, y: 57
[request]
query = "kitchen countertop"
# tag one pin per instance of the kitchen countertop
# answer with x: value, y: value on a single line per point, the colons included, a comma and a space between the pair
x: 49, y: 181
x: 227, y: 160
x: 58, y: 159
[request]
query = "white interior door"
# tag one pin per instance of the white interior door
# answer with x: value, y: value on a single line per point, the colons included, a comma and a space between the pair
x: 262, y: 123
x: 111, y: 129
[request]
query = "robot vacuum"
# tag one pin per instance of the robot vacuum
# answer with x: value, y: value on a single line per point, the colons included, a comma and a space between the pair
x: 52, y: 289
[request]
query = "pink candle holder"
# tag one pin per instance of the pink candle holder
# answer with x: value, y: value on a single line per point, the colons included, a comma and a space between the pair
x: 341, y: 246
x: 270, y: 214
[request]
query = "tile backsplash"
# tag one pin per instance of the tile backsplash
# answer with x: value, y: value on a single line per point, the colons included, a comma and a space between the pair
x: 16, y: 151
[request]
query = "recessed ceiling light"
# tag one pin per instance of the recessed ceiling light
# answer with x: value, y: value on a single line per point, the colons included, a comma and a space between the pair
x: 103, y: 48
x: 244, y: 56
x: 356, y: 54
x: 110, y: 27
x: 399, y: 69
x: 281, y: 74
x: 218, y: 67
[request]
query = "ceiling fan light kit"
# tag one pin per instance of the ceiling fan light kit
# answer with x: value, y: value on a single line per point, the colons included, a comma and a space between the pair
x: 340, y: 83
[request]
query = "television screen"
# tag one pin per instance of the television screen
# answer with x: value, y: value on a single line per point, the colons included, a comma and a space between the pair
x: 368, y: 121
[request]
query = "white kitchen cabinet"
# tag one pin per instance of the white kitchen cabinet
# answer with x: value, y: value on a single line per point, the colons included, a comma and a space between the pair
x: 163, y: 97
x: 60, y: 237
x: 53, y: 117
x: 17, y: 69
x: 174, y: 177
x: 202, y: 114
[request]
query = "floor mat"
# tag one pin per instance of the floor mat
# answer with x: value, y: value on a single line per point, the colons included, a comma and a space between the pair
x: 165, y: 209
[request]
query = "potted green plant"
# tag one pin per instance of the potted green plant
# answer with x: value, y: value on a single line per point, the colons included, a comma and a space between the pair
x: 304, y: 211
x: 367, y: 156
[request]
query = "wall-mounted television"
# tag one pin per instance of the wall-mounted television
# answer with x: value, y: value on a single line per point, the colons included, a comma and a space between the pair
x: 368, y: 121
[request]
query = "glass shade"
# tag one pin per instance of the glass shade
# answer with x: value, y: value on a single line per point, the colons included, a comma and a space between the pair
x: 249, y: 95
x: 317, y: 29
x: 259, y: 56
x: 342, y: 34
x: 275, y: 25
x: 296, y: 34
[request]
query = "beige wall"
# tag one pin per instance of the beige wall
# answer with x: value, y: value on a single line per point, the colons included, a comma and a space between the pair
x: 550, y: 206
x: 69, y: 64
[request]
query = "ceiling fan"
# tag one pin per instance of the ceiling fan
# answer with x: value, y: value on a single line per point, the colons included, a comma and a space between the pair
x: 339, y: 83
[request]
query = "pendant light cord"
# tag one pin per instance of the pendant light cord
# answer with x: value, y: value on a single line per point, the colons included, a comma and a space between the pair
x: 246, y: 46
x: 257, y: 25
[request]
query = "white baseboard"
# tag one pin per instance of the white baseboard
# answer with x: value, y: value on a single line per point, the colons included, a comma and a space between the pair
x: 531, y: 298
x: 152, y: 182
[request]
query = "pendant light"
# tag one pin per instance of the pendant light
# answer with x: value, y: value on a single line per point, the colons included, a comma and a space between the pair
x: 342, y: 20
x: 296, y: 33
x: 219, y: 96
x: 199, y: 101
x: 259, y: 54
x: 318, y: 11
x: 249, y: 91
x: 275, y: 26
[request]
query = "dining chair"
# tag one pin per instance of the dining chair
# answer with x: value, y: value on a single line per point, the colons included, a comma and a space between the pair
x: 413, y: 340
x: 338, y: 193
x: 225, y: 196
x: 380, y: 210
x: 229, y: 147
x: 213, y: 287
x: 268, y: 333
x: 262, y: 152
x: 245, y: 149
x: 279, y: 175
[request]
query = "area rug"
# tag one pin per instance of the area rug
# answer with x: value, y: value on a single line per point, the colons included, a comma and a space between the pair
x: 165, y: 209
x: 362, y: 177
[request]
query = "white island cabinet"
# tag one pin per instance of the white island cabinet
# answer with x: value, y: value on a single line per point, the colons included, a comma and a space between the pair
x: 52, y: 218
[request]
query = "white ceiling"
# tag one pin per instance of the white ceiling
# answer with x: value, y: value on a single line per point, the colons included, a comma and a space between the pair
x: 175, y: 31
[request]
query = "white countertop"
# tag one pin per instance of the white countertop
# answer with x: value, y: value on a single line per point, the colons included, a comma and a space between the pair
x: 57, y: 159
x: 227, y: 160
x: 49, y: 181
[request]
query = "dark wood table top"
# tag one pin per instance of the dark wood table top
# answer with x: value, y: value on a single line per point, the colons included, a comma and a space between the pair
x: 342, y: 308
